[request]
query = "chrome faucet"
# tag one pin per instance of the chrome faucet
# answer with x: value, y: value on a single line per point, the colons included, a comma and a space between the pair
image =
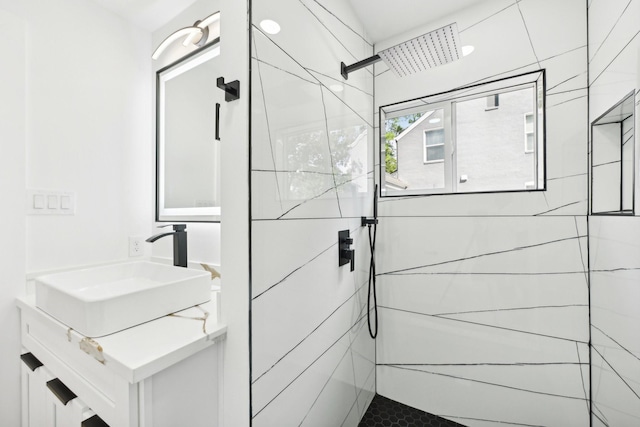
x: 179, y: 243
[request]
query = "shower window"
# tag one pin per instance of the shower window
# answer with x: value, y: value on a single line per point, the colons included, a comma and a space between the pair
x: 466, y: 147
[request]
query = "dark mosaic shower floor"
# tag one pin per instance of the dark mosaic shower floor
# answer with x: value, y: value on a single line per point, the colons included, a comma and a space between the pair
x: 385, y: 412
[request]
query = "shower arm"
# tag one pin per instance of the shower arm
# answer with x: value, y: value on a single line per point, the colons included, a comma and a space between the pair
x: 346, y: 69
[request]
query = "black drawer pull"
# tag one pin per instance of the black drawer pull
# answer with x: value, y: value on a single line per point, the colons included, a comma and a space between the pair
x: 61, y: 391
x: 94, y: 421
x: 31, y: 361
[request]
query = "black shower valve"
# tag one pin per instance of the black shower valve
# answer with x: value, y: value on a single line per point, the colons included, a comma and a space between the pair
x: 346, y: 255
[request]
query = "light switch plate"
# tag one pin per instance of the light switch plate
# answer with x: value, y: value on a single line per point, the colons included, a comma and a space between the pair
x: 38, y: 201
x: 50, y: 202
x: 65, y: 202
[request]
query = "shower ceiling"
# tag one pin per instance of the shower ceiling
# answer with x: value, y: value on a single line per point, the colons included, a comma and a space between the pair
x: 383, y: 19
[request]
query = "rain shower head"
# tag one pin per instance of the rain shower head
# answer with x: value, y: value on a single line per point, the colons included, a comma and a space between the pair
x: 429, y: 50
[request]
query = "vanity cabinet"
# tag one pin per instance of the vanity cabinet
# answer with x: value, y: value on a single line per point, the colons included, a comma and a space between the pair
x: 47, y: 402
x: 166, y: 372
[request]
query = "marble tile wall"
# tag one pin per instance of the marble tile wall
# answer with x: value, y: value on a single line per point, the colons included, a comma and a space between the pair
x: 484, y: 298
x: 313, y: 362
x: 614, y: 72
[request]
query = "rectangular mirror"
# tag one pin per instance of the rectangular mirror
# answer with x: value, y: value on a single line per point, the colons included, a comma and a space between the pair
x: 188, y: 153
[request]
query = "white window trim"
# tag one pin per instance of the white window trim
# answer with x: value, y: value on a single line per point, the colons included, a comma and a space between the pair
x: 424, y: 146
x: 533, y: 132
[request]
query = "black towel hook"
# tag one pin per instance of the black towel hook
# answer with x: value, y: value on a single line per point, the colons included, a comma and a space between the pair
x: 231, y: 90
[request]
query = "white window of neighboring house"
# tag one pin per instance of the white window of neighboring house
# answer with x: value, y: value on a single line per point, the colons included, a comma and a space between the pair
x: 434, y: 145
x: 493, y: 102
x: 468, y: 144
x: 529, y: 133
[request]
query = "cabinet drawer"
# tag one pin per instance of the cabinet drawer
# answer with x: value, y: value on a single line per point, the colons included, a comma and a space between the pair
x: 55, y: 337
x: 68, y: 409
x: 77, y: 370
x: 36, y: 413
x: 46, y: 400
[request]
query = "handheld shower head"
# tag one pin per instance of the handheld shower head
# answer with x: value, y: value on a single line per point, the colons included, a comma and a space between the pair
x: 375, y: 201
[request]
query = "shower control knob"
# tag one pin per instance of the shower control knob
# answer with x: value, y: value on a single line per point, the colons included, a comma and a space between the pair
x: 346, y: 255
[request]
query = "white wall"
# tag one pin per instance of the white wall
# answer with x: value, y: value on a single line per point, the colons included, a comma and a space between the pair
x: 89, y: 130
x: 79, y: 82
x: 484, y: 297
x: 12, y: 181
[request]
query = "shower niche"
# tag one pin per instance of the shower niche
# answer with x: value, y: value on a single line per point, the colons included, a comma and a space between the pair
x: 612, y: 160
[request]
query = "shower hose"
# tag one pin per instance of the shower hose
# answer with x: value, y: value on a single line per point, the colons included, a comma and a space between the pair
x: 373, y: 332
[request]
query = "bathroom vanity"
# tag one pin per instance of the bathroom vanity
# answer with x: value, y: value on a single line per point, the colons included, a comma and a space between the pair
x: 164, y: 372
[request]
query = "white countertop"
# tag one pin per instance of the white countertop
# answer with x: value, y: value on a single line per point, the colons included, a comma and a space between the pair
x: 141, y: 351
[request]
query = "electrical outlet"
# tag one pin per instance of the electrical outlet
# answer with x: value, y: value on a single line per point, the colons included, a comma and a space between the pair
x: 135, y: 246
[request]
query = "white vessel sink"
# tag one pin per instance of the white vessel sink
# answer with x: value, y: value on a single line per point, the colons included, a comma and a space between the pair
x: 102, y: 300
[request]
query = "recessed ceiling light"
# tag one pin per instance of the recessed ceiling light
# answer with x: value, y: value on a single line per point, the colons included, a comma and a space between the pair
x: 466, y: 50
x: 269, y: 26
x: 433, y: 121
x: 336, y: 88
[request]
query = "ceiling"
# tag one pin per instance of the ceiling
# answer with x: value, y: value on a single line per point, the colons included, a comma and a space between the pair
x: 147, y: 14
x: 382, y: 19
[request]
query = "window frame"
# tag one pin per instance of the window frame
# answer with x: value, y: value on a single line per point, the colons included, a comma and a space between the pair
x: 535, y: 79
